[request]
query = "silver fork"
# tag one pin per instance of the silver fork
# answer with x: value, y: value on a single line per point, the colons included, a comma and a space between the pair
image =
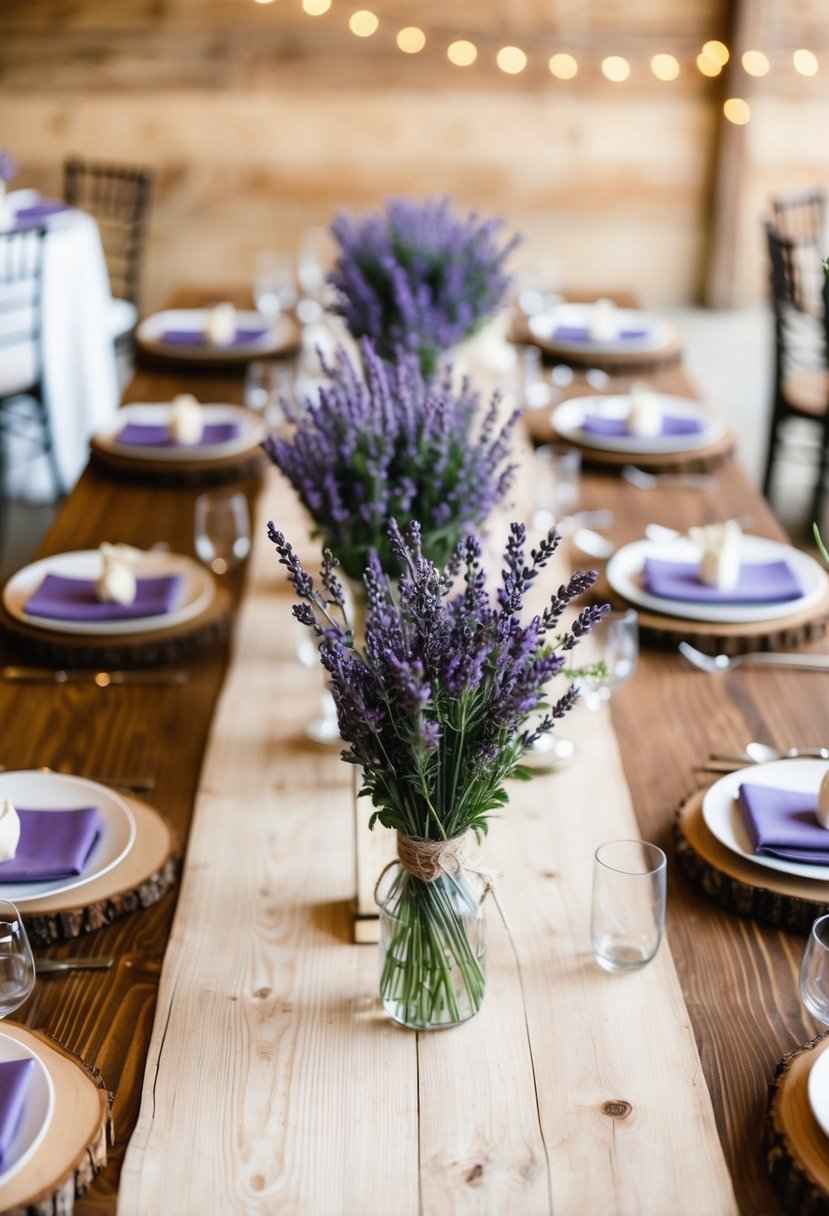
x: 649, y: 481
x: 721, y: 663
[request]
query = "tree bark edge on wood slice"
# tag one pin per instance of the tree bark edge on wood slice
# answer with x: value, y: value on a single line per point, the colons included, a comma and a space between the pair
x: 713, y: 638
x: 697, y: 460
x: 140, y: 880
x: 770, y: 897
x: 160, y: 647
x: 56, y: 1196
x: 796, y: 1149
x: 180, y: 473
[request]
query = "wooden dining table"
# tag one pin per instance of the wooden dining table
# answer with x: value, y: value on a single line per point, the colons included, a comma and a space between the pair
x: 360, y: 1116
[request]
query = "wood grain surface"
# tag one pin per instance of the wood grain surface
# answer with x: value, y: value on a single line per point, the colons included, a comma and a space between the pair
x: 739, y: 979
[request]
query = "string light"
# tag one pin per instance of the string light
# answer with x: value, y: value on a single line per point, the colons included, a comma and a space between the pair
x: 562, y: 66
x: 717, y: 52
x: 615, y: 68
x: 462, y: 53
x: 665, y: 67
x: 707, y: 65
x: 511, y: 59
x: 805, y: 63
x: 736, y: 110
x: 755, y: 63
x: 411, y: 40
x: 363, y: 23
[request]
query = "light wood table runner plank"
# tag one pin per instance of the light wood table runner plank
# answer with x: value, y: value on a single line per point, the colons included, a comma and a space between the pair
x: 276, y: 1083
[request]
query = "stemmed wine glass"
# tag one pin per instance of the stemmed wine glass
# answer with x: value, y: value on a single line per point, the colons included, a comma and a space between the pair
x: 614, y: 641
x: 814, y: 971
x: 17, y: 964
x: 323, y: 727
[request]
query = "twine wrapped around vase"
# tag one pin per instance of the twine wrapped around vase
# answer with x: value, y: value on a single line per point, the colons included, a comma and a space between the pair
x: 429, y: 860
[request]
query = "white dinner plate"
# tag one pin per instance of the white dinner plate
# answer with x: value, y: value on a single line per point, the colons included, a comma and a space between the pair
x: 656, y: 333
x: 568, y: 419
x: 723, y: 817
x: 251, y: 433
x: 37, y: 1112
x: 59, y: 791
x: 278, y: 335
x: 624, y: 573
x: 199, y: 589
x: 818, y: 1091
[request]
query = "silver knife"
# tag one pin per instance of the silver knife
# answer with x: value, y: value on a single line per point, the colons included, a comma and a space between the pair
x: 53, y: 966
x: 51, y: 675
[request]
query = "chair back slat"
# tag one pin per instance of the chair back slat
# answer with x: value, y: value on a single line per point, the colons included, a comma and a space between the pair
x: 21, y: 270
x: 119, y: 199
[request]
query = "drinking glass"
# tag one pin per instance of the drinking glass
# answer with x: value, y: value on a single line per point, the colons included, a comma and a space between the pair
x: 614, y: 641
x: 17, y: 966
x: 557, y: 470
x: 628, y: 912
x: 323, y: 727
x: 273, y: 285
x: 814, y: 971
x: 267, y: 383
x: 222, y: 530
x: 535, y: 388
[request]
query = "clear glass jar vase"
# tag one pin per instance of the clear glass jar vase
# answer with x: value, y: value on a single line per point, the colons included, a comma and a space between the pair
x: 432, y: 949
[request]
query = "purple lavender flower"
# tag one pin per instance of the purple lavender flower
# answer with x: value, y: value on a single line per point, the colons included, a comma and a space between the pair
x: 8, y: 166
x: 417, y: 277
x: 435, y: 706
x: 393, y: 446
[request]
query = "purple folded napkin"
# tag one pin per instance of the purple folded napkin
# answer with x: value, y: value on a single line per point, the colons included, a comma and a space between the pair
x: 39, y: 211
x: 672, y: 424
x: 15, y: 1080
x: 581, y: 333
x: 759, y: 583
x: 197, y: 337
x: 75, y: 599
x: 150, y: 435
x: 53, y: 844
x: 783, y: 823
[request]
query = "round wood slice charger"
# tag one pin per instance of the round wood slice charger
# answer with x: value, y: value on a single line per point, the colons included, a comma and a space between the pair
x: 139, y: 880
x: 772, y: 897
x: 156, y: 647
x: 797, y: 1149
x: 717, y: 637
x: 714, y: 455
x: 74, y: 1148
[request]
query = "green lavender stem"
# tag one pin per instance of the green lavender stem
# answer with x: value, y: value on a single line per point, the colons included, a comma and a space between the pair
x: 432, y: 968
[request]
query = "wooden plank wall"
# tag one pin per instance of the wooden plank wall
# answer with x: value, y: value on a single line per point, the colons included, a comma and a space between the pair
x: 263, y: 121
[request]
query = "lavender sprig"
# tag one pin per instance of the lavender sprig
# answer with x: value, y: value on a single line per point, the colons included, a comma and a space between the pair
x: 435, y: 706
x: 417, y: 277
x: 392, y: 445
x: 8, y: 166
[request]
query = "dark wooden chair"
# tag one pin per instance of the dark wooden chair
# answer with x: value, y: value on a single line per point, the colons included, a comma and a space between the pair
x: 119, y: 198
x: 24, y: 416
x: 801, y: 354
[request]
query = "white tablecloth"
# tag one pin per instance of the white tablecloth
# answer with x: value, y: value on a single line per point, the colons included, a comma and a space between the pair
x: 79, y: 373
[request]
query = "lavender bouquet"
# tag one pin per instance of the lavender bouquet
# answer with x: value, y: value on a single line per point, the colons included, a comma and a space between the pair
x: 393, y: 446
x: 437, y: 709
x: 417, y: 277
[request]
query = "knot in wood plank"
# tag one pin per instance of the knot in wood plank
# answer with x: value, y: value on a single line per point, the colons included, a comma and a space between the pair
x: 474, y: 1175
x: 617, y: 1109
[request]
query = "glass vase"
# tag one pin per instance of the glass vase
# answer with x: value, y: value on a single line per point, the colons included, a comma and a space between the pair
x: 432, y: 949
